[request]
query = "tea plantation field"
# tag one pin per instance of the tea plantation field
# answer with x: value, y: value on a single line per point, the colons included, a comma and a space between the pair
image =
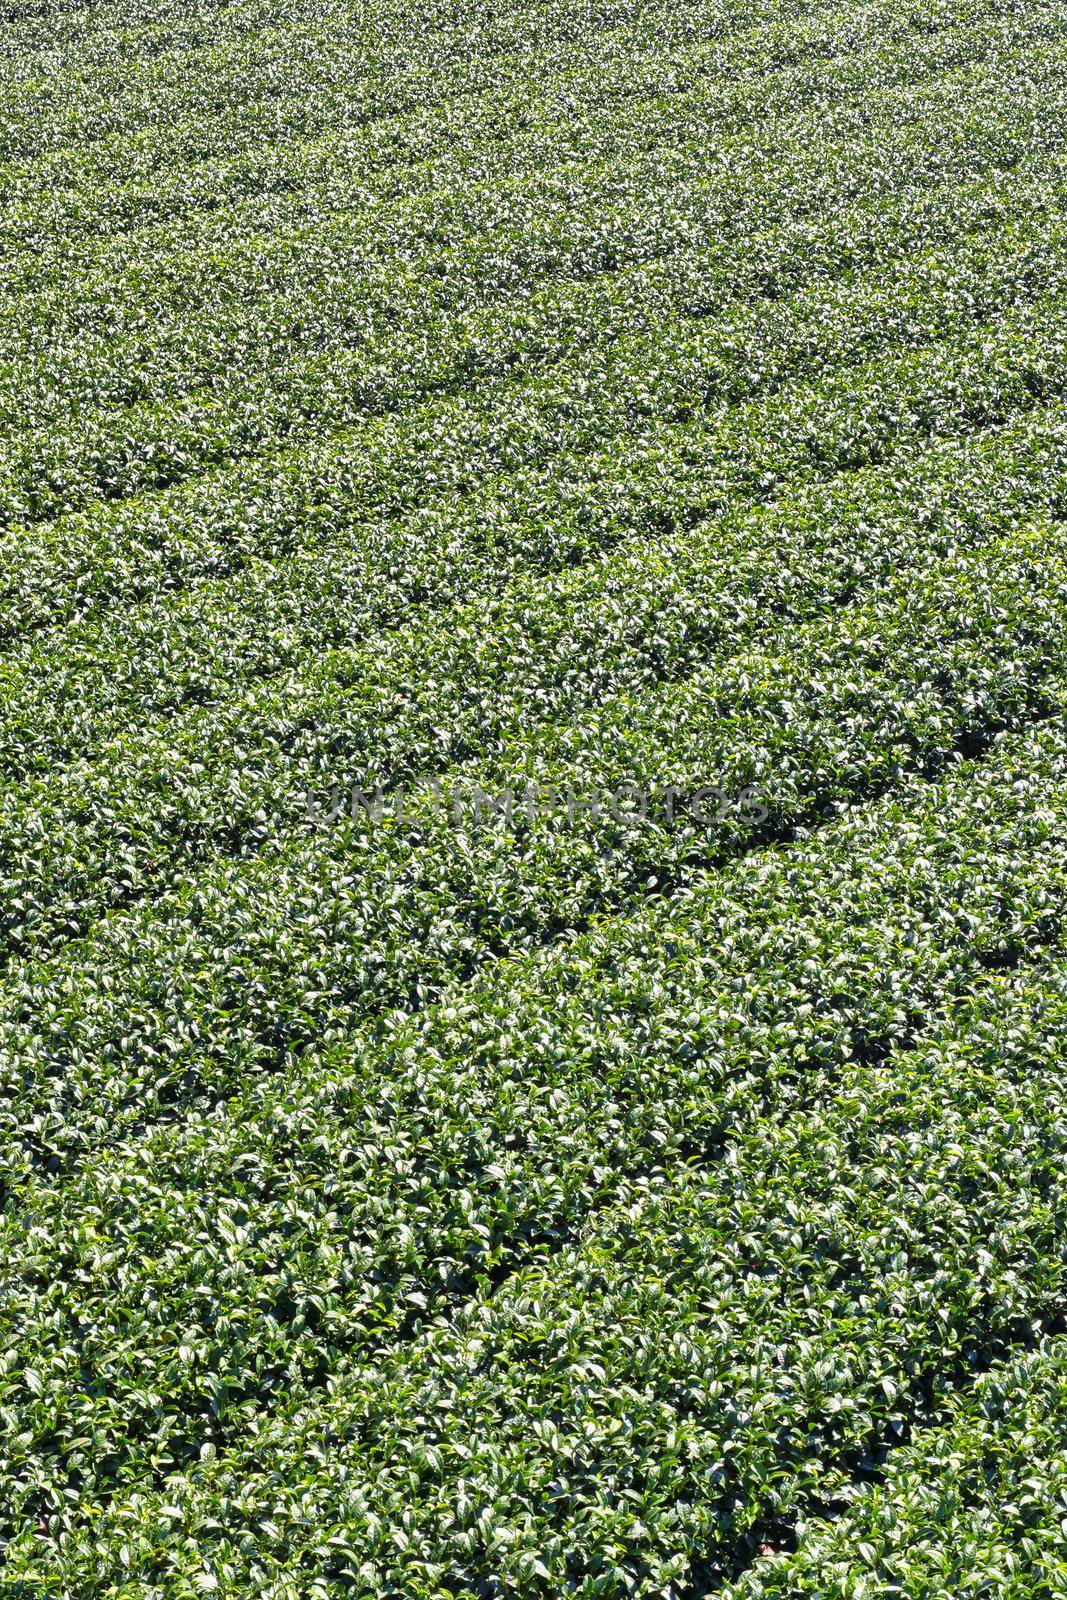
x: 533, y: 856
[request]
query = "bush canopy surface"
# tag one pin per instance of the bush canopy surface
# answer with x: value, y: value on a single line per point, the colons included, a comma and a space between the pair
x: 533, y: 722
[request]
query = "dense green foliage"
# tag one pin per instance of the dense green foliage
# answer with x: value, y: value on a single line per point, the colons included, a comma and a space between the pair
x: 975, y: 1506
x: 657, y: 1187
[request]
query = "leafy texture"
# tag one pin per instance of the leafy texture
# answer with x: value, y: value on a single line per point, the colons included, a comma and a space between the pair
x: 533, y: 721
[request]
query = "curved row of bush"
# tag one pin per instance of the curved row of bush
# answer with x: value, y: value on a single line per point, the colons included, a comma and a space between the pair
x: 127, y: 77
x: 232, y: 777
x: 478, y: 555
x: 499, y: 128
x: 317, y: 493
x: 971, y: 1506
x: 795, y: 1272
x: 267, y: 276
x: 573, y: 1166
x: 222, y: 1265
x: 260, y: 80
x: 246, y: 965
x: 101, y: 207
x: 118, y: 452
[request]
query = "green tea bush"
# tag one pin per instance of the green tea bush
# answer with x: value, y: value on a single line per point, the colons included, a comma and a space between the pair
x: 533, y: 677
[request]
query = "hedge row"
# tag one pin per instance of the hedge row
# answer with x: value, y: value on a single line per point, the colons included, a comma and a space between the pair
x: 248, y: 964
x: 635, y: 438
x: 233, y: 776
x: 732, y: 1313
x: 971, y: 1507
x: 320, y: 267
x: 102, y: 207
x: 125, y: 80
x: 390, y: 1174
x: 207, y: 642
x: 624, y: 362
x: 412, y: 349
